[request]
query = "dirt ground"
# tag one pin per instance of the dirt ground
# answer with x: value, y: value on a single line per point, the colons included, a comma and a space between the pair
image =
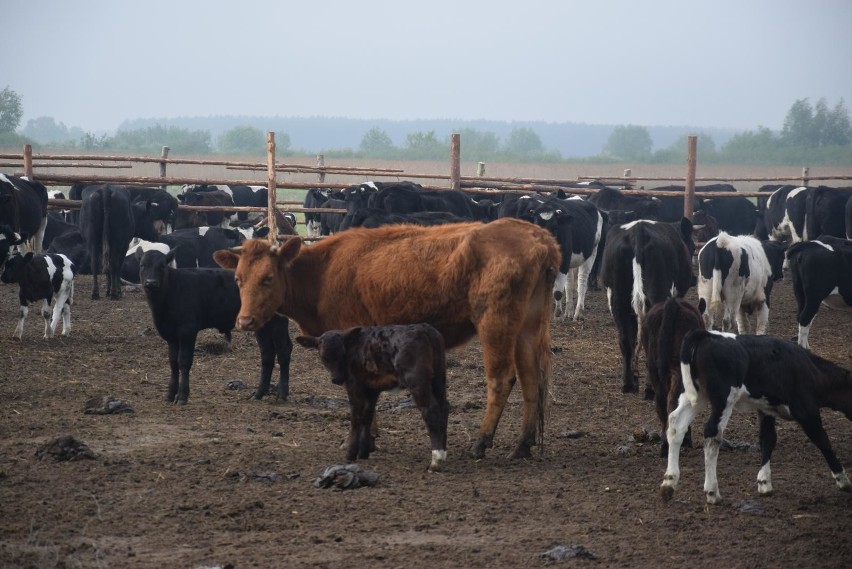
x: 228, y: 481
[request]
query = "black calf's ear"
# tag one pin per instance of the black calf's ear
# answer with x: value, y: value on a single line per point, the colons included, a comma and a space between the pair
x: 351, y: 336
x: 308, y: 342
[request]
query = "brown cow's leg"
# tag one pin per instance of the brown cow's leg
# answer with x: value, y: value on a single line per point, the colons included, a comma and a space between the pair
x: 526, y: 360
x: 497, y: 354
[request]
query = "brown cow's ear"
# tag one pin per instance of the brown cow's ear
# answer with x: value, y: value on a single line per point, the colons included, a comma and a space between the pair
x: 308, y: 342
x: 289, y: 249
x: 226, y: 258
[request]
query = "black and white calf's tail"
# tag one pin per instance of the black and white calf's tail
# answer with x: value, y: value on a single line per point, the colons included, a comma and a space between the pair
x: 775, y: 378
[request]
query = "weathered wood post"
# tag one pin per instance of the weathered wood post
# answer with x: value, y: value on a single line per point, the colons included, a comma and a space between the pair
x: 627, y: 173
x: 321, y: 164
x: 455, y: 161
x: 28, y: 161
x: 272, y: 187
x: 163, y: 154
x: 480, y: 169
x: 806, y: 175
x: 689, y: 190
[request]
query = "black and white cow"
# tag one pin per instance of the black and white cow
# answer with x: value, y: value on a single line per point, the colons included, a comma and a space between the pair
x: 195, y: 245
x: 773, y: 377
x: 825, y: 211
x: 73, y: 245
x: 408, y: 197
x: 23, y: 207
x: 130, y: 266
x: 330, y: 221
x: 49, y: 278
x: 242, y: 196
x: 520, y: 206
x: 108, y: 221
x: 735, y: 277
x: 644, y: 262
x: 821, y: 271
x: 644, y: 207
x: 9, y: 242
x: 314, y: 198
x: 186, y: 301
x: 785, y: 214
x: 577, y: 226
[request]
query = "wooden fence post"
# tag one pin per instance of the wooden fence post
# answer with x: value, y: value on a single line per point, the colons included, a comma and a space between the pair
x: 480, y: 169
x: 806, y: 173
x: 455, y: 161
x: 321, y: 164
x: 272, y: 187
x: 28, y: 161
x: 163, y: 154
x: 689, y: 190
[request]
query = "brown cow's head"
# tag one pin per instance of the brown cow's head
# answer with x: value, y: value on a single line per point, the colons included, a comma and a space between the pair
x: 260, y: 275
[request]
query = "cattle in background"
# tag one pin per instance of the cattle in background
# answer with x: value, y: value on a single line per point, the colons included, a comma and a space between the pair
x: 577, y: 226
x: 55, y: 227
x: 663, y: 329
x: 785, y: 214
x: 734, y: 215
x: 23, y: 207
x: 735, y: 277
x: 186, y: 301
x: 162, y: 205
x: 195, y: 245
x: 8, y: 240
x: 773, y: 377
x: 493, y: 279
x: 644, y: 263
x: 109, y: 220
x: 643, y: 207
x: 212, y: 198
x: 704, y: 227
x: 370, y: 217
x: 825, y: 211
x: 330, y: 221
x: 63, y: 214
x: 73, y: 246
x: 130, y: 266
x: 42, y: 277
x: 520, y: 206
x: 242, y: 196
x: 370, y: 360
x: 821, y: 271
x: 671, y: 207
x: 314, y: 198
x: 849, y: 218
x: 407, y: 197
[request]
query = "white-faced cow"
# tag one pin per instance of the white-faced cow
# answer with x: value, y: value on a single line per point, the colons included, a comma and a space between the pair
x: 49, y: 278
x: 773, y: 377
x: 23, y: 207
x: 369, y: 360
x: 821, y: 271
x: 493, y: 279
x: 735, y: 277
x: 644, y: 263
x: 577, y: 226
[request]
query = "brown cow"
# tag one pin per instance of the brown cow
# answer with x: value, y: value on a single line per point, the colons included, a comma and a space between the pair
x: 494, y: 280
x: 663, y: 329
x: 369, y: 360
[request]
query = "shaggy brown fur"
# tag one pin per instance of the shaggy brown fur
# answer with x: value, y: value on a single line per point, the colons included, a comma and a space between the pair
x: 494, y: 280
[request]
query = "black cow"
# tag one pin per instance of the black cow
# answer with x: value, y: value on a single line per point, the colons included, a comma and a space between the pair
x: 773, y: 377
x: 73, y: 246
x: 242, y: 195
x: 734, y: 215
x: 330, y: 222
x: 195, y: 245
x: 577, y: 226
x: 407, y: 197
x: 56, y: 226
x: 785, y: 214
x: 23, y: 207
x: 644, y: 263
x: 163, y: 205
x: 42, y: 277
x: 186, y: 301
x: 520, y: 206
x: 671, y: 207
x: 821, y: 271
x: 314, y: 198
x: 371, y: 217
x: 825, y: 211
x: 9, y: 240
x: 370, y: 360
x: 644, y: 207
x: 108, y: 221
x: 849, y: 218
x: 212, y: 198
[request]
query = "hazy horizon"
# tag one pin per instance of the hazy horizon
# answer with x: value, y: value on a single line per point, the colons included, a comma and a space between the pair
x: 725, y: 64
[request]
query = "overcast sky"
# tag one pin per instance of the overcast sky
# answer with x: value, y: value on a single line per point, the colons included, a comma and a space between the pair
x: 705, y: 63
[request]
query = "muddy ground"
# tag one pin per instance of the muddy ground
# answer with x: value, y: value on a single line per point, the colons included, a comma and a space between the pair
x: 226, y: 480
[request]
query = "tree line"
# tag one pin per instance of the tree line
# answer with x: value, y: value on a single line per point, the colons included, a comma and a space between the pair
x: 811, y: 134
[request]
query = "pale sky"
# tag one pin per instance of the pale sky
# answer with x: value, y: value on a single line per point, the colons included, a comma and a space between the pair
x: 704, y: 63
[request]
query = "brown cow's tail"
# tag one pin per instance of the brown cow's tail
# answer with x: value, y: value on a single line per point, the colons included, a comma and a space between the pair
x: 545, y: 356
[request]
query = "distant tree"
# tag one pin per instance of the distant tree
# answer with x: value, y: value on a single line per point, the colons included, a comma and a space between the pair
x: 523, y: 142
x: 152, y: 139
x: 629, y: 142
x: 11, y: 110
x: 838, y: 129
x: 244, y: 140
x: 425, y: 146
x: 812, y: 127
x: 46, y: 129
x: 676, y: 152
x: 750, y: 147
x: 798, y: 129
x: 90, y: 141
x: 477, y: 144
x: 376, y: 142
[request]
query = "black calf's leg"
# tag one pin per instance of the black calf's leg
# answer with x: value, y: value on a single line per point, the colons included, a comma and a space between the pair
x: 283, y: 350
x: 430, y: 396
x: 812, y: 425
x: 767, y: 445
x: 185, y: 357
x: 175, y: 370
x: 365, y: 438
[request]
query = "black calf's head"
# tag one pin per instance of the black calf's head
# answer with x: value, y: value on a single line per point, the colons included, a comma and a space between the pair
x: 153, y: 267
x: 13, y: 269
x: 333, y: 347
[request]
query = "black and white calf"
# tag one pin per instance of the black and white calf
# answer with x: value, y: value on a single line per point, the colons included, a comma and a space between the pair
x: 49, y: 278
x: 735, y: 277
x: 821, y: 271
x: 370, y: 360
x: 773, y: 377
x: 577, y: 226
x: 644, y: 262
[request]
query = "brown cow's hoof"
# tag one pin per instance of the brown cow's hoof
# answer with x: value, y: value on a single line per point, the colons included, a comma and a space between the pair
x: 521, y: 451
x: 477, y: 451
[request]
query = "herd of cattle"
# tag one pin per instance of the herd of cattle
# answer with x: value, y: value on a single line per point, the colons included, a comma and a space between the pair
x: 498, y: 267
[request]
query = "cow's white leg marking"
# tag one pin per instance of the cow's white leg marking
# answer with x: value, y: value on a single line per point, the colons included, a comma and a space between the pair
x: 711, y: 447
x: 842, y: 481
x: 679, y: 421
x: 638, y: 297
x: 561, y: 286
x: 19, y: 330
x: 804, y: 332
x: 438, y: 458
x: 762, y: 324
x: 764, y: 480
